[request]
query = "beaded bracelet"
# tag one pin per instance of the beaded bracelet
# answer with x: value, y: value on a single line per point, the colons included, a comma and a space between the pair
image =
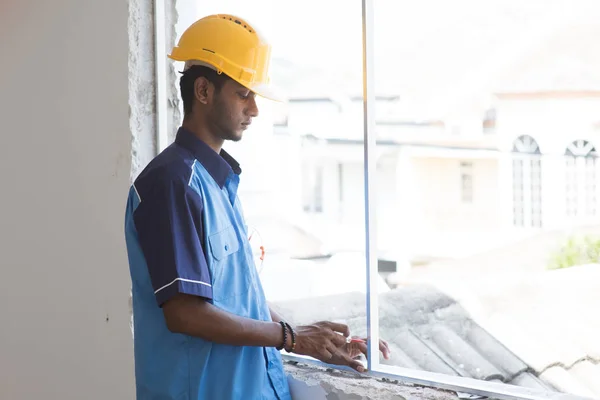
x: 284, y: 328
x: 291, y: 350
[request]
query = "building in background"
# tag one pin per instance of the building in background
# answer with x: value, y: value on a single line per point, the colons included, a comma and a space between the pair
x: 490, y: 159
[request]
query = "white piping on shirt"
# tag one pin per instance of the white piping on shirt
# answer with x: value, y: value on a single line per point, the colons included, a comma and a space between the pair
x: 183, y: 280
x: 136, y: 192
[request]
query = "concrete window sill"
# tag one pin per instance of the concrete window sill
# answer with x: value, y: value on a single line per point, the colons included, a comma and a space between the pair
x: 317, y: 383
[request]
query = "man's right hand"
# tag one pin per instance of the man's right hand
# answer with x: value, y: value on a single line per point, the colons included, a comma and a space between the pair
x: 320, y: 340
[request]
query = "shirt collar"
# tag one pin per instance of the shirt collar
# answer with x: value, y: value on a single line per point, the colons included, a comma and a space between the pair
x: 219, y: 166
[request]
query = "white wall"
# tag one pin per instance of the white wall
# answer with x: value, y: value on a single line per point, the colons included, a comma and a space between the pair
x: 65, y: 170
x: 554, y: 123
x: 439, y: 194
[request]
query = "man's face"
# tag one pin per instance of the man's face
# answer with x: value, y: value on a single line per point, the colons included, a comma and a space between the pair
x: 233, y: 108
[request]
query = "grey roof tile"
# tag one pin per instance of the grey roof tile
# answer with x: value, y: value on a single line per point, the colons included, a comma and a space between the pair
x: 460, y: 354
x: 428, y: 330
x: 421, y: 354
x: 531, y: 381
x: 399, y: 358
x: 495, y: 351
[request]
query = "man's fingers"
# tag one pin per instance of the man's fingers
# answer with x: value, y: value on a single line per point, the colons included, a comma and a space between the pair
x: 332, y: 348
x: 340, y: 328
x: 326, y: 355
x: 355, y: 364
x: 362, y: 347
x: 338, y: 340
x: 385, y: 349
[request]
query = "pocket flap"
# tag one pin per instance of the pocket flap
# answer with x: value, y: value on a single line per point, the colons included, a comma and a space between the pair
x: 223, y: 243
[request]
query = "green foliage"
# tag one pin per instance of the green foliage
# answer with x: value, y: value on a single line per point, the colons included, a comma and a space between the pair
x: 576, y: 251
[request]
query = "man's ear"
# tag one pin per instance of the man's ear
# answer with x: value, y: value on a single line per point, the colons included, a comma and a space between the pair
x: 202, y: 90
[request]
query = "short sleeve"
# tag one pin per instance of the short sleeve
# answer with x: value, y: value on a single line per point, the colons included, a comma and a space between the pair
x: 168, y: 221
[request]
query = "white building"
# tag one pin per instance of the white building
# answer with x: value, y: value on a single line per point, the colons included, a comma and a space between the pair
x: 511, y: 154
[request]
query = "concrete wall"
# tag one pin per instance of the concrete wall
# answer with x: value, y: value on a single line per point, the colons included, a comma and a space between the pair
x: 142, y: 78
x: 65, y: 172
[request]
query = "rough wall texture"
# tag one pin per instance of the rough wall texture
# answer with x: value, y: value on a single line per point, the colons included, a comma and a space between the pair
x: 173, y: 99
x: 142, y: 85
x: 142, y: 80
x: 338, y: 385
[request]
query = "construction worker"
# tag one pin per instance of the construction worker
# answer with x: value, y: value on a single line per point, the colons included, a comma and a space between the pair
x: 202, y: 326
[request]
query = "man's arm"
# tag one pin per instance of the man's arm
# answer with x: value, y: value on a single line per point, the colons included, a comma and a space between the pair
x: 194, y: 316
x: 167, y: 221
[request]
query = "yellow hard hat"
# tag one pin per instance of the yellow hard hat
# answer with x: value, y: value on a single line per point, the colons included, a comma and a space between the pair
x: 231, y: 46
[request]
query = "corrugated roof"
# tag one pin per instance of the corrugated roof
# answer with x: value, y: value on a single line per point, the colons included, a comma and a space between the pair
x: 549, y: 319
x: 426, y: 330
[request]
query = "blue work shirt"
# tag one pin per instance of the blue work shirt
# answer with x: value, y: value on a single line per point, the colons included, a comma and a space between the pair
x: 185, y: 233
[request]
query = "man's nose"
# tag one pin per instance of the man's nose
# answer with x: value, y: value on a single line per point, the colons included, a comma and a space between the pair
x: 252, y: 110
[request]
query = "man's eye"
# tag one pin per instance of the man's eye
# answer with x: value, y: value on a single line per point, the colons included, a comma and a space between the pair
x: 244, y: 95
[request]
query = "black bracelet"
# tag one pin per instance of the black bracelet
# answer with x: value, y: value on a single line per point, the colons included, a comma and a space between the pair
x: 284, y: 328
x: 291, y: 350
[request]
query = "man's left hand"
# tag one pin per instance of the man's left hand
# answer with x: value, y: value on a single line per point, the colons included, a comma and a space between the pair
x: 348, y: 352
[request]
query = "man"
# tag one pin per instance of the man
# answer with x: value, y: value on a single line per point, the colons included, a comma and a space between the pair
x: 202, y: 326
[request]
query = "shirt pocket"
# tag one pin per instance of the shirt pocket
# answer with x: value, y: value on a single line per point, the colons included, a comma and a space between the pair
x: 228, y: 266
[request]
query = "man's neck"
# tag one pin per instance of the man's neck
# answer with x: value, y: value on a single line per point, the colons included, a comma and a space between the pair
x: 201, y: 132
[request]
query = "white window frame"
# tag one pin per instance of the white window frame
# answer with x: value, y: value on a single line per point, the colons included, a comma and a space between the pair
x: 526, y: 151
x: 580, y: 156
x: 375, y: 369
x: 467, y: 175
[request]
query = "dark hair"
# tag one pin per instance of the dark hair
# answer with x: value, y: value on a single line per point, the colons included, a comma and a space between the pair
x: 186, y: 84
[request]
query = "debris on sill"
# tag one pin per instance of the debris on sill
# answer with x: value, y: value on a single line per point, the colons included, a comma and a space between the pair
x: 319, y: 383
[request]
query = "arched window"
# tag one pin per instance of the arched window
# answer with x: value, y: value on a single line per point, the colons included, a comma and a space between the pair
x: 527, y: 183
x: 580, y: 167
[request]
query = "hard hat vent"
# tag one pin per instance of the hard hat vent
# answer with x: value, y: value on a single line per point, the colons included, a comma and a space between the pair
x: 239, y: 22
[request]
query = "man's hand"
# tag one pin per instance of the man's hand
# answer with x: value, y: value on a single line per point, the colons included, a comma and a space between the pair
x: 359, y: 346
x: 327, y: 341
x: 321, y: 340
x: 348, y: 352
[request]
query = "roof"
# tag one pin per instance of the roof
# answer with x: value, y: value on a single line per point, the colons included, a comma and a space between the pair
x: 549, y: 319
x: 429, y: 330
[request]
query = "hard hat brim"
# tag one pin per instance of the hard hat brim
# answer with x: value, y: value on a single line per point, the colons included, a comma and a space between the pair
x: 263, y: 90
x: 268, y: 92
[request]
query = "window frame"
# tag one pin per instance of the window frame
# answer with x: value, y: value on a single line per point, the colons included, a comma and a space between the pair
x: 467, y: 178
x: 527, y: 160
x: 499, y: 391
x: 375, y: 369
x: 582, y: 201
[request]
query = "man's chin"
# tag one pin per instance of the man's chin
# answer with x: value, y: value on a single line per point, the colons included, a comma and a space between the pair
x: 233, y: 136
x: 236, y: 137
